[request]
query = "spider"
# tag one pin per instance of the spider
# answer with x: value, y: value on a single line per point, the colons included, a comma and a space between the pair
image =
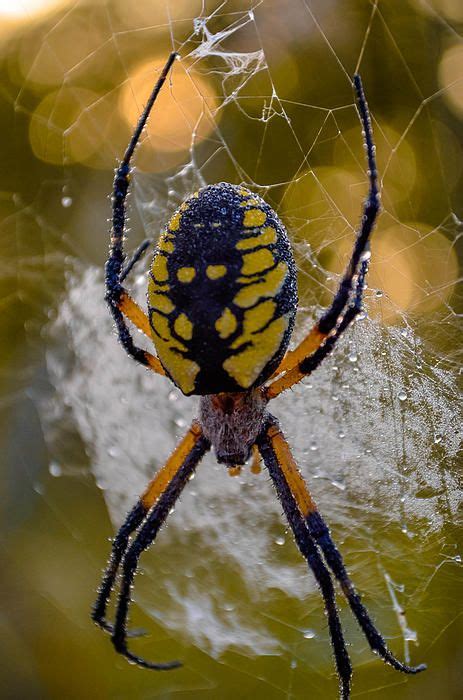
x: 222, y: 299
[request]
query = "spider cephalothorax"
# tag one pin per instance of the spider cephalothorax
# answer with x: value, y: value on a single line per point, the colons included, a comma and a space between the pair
x: 222, y: 299
x: 231, y: 422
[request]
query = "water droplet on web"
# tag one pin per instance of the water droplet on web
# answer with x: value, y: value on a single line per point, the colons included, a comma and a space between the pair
x: 55, y: 469
x: 228, y: 607
x: 308, y: 634
x: 437, y: 439
x: 293, y: 663
x: 313, y: 446
x: 402, y: 395
x: 352, y: 357
x: 338, y: 484
x: 341, y: 435
x: 180, y: 422
x: 191, y: 477
x: 66, y: 202
x: 457, y: 558
x: 280, y: 541
x: 173, y: 396
x: 379, y: 293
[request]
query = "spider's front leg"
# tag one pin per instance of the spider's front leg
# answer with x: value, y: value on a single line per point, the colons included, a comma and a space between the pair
x: 298, y: 362
x: 153, y: 508
x: 119, y: 300
x: 299, y: 506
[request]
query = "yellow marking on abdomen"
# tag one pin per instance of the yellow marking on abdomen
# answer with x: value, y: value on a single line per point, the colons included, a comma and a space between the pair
x: 268, y: 236
x: 159, y: 269
x: 161, y: 302
x: 254, y: 218
x: 246, y: 366
x: 288, y: 466
x: 174, y: 223
x: 215, y: 272
x: 253, y: 263
x: 186, y: 274
x: 268, y: 286
x: 255, y: 319
x: 162, y: 479
x: 166, y: 244
x: 226, y: 324
x: 182, y: 370
x: 183, y: 327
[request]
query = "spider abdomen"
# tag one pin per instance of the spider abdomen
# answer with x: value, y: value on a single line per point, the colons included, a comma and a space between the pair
x: 222, y: 294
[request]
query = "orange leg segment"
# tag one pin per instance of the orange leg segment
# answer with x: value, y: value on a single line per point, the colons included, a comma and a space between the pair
x: 134, y: 313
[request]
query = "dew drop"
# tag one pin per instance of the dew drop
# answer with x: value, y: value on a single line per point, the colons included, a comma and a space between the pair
x: 66, y: 202
x: 280, y: 541
x: 313, y: 447
x: 308, y: 634
x: 437, y: 439
x: 379, y: 293
x: 338, y: 485
x: 55, y: 469
x: 402, y: 395
x: 341, y: 435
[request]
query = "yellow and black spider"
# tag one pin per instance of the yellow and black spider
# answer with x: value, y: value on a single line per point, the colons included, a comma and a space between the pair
x: 222, y: 298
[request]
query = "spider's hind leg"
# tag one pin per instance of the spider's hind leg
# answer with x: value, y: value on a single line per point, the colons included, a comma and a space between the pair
x: 291, y: 495
x: 291, y: 488
x: 321, y: 534
x: 185, y: 457
x: 158, y: 500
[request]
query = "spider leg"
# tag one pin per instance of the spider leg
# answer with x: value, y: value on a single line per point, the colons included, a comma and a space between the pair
x: 291, y: 493
x: 116, y: 295
x: 183, y: 463
x: 313, y: 361
x: 139, y: 253
x: 292, y: 364
x: 152, y: 494
x: 320, y: 533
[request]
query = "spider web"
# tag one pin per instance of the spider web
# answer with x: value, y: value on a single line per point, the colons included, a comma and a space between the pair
x: 261, y: 96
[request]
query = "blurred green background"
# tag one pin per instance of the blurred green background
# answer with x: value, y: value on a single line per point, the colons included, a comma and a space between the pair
x: 262, y: 95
